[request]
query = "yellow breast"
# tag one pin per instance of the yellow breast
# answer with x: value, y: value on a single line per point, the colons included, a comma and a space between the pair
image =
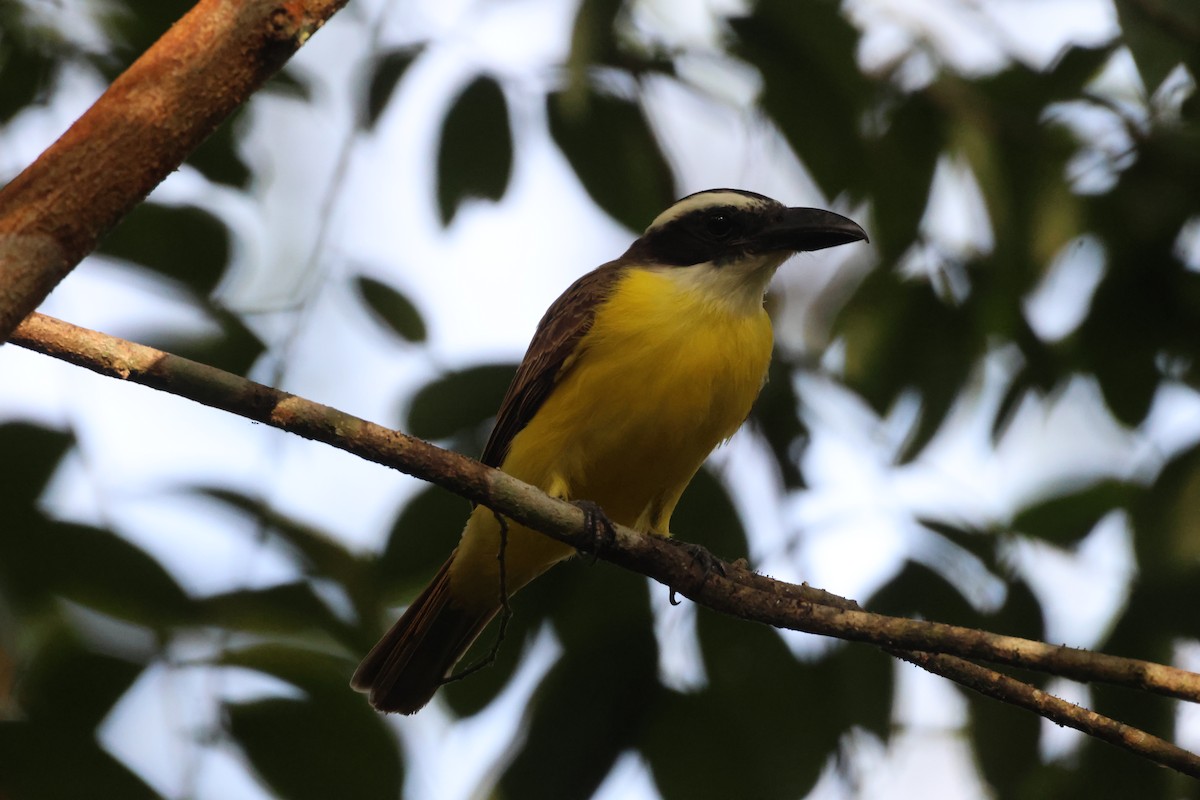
x: 665, y: 374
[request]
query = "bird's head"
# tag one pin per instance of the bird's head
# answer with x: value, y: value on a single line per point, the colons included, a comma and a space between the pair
x: 726, y: 225
x: 729, y: 240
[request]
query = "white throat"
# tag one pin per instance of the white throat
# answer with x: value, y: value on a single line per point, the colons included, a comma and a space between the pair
x: 738, y: 287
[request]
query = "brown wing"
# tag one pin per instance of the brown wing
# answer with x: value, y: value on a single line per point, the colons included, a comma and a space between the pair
x: 558, y: 334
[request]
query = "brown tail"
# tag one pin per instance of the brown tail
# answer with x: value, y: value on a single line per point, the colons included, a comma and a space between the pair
x: 407, y: 666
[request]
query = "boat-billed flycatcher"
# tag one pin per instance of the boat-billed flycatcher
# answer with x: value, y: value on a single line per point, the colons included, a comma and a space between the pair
x: 634, y: 375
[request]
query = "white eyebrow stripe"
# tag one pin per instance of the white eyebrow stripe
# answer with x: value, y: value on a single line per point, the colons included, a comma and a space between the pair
x: 703, y: 200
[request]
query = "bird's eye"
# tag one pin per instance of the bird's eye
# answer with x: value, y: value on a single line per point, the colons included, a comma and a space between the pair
x: 718, y: 224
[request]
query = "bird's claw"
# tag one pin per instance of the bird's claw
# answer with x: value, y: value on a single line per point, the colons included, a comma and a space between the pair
x: 707, y: 561
x: 599, y: 528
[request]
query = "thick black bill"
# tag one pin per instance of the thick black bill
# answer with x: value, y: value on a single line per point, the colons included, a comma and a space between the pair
x: 807, y: 229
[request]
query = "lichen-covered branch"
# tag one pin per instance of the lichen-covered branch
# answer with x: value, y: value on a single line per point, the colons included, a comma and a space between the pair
x: 728, y: 588
x: 139, y: 131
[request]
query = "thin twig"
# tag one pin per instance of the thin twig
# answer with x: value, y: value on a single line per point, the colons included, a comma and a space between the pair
x: 1066, y: 662
x: 1018, y: 693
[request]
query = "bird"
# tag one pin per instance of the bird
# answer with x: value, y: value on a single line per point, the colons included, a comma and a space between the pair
x: 633, y: 376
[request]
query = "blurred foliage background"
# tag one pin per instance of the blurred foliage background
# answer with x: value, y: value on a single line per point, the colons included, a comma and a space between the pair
x: 989, y: 418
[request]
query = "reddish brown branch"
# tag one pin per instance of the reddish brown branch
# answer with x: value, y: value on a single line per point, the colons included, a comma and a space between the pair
x: 150, y: 118
x: 731, y: 589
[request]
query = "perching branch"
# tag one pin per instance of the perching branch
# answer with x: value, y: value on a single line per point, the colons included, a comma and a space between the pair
x: 138, y: 132
x: 729, y: 588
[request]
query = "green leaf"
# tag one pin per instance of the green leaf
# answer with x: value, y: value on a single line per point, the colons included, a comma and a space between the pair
x: 776, y: 719
x: 27, y: 575
x: 289, y: 741
x: 1068, y: 518
x: 184, y: 243
x: 899, y: 335
x: 234, y: 348
x: 862, y: 683
x: 290, y: 608
x: 46, y: 760
x: 1129, y: 381
x: 424, y: 535
x: 706, y: 515
x: 590, y: 707
x: 1166, y: 520
x: 978, y: 543
x: 1074, y: 70
x: 321, y: 555
x: 812, y: 87
x: 1006, y: 129
x: 1173, y: 588
x: 917, y: 590
x: 101, y: 570
x: 308, y: 669
x: 913, y: 593
x: 1103, y: 771
x: 1122, y: 773
x: 1151, y: 627
x: 217, y: 156
x: 475, y: 157
x: 135, y: 25
x: 1143, y: 320
x: 615, y: 154
x: 72, y: 687
x: 289, y: 744
x: 26, y: 69
x: 1042, y: 369
x: 776, y: 415
x: 592, y: 39
x: 905, y: 158
x: 392, y: 310
x: 41, y: 560
x: 1124, y: 333
x: 289, y: 83
x: 459, y: 401
x: 38, y: 451
x: 386, y: 69
x: 1021, y: 613
x: 1160, y: 34
x: 1005, y: 741
x: 1005, y: 738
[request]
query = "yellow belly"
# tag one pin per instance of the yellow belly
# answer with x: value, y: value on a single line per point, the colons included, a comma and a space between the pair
x: 662, y: 378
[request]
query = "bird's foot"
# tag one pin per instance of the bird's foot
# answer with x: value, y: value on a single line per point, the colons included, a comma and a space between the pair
x: 701, y: 557
x: 597, y: 526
